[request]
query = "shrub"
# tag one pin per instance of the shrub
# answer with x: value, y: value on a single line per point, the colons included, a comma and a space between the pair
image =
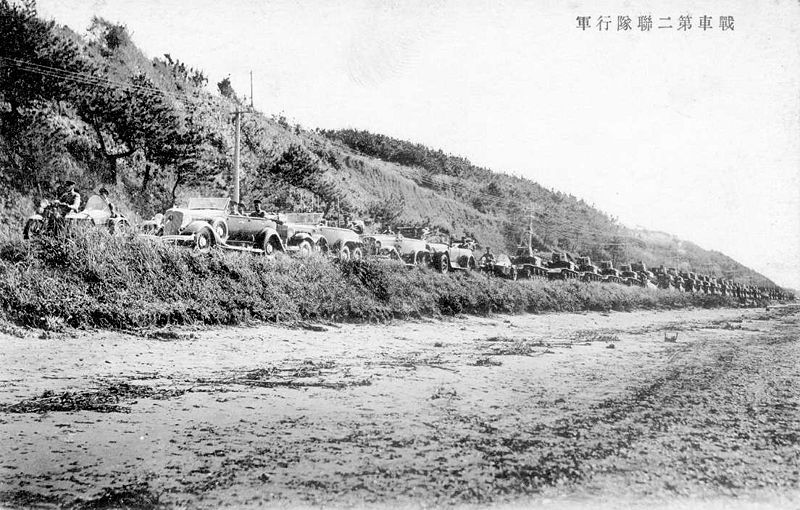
x: 92, y: 279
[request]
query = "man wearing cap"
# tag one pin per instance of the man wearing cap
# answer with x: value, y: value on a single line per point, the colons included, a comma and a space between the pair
x: 488, y: 257
x: 69, y: 197
x: 258, y: 212
x: 104, y: 195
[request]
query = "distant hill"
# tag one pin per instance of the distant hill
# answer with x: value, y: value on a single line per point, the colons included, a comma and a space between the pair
x: 96, y: 110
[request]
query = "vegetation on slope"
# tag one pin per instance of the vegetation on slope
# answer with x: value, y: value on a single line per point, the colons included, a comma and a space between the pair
x: 96, y: 110
x: 93, y: 279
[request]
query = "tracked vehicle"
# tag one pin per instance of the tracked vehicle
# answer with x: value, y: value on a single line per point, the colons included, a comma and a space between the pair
x: 645, y: 275
x: 588, y: 271
x: 561, y: 268
x: 629, y: 276
x: 527, y: 263
x: 610, y: 274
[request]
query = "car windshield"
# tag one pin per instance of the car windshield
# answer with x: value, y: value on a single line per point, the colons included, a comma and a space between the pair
x: 209, y: 203
x: 302, y: 218
x: 411, y: 232
x: 96, y: 203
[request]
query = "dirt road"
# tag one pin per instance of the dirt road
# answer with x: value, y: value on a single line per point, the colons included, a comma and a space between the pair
x: 561, y: 410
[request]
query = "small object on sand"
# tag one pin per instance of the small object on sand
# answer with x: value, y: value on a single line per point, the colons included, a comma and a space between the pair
x: 309, y: 327
x: 671, y: 339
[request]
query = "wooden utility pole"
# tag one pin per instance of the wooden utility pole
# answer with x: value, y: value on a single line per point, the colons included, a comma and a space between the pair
x: 530, y: 231
x: 236, y: 137
x: 236, y: 141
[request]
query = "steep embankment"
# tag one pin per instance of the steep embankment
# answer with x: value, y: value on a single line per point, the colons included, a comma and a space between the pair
x: 92, y: 278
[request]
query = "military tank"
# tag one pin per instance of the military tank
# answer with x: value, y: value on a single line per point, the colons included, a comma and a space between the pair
x: 610, y: 274
x: 561, y: 268
x: 527, y: 263
x: 647, y: 276
x: 629, y: 276
x: 588, y: 271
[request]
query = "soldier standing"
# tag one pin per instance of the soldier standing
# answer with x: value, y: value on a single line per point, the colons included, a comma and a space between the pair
x: 104, y: 195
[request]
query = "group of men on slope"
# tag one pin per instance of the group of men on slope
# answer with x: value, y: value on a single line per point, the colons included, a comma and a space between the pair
x: 69, y: 200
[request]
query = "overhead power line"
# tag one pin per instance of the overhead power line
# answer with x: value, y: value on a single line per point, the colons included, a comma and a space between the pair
x: 89, y: 79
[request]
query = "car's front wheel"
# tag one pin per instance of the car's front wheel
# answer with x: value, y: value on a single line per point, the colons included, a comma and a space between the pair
x: 321, y: 247
x: 443, y: 263
x: 221, y: 228
x: 268, y: 247
x: 204, y: 240
x: 119, y: 226
x: 32, y: 228
x: 304, y: 248
x: 344, y: 253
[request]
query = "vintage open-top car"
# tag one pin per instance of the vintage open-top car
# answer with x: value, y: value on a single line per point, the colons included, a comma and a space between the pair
x: 381, y: 245
x: 448, y: 255
x: 202, y: 223
x: 343, y: 243
x: 96, y: 213
x: 412, y: 244
x: 267, y: 234
x: 207, y: 222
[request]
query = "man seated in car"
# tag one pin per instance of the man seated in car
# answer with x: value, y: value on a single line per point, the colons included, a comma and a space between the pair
x: 488, y: 258
x: 258, y: 212
x: 235, y: 208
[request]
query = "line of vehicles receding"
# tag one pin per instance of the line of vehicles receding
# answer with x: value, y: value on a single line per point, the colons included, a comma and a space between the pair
x: 208, y: 222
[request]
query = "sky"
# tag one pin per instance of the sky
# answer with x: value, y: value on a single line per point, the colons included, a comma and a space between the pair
x: 693, y: 132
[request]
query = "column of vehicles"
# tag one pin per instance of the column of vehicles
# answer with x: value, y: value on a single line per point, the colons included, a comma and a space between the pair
x: 205, y: 223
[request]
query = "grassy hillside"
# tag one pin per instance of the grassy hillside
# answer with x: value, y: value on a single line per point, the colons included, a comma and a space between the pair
x: 96, y: 110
